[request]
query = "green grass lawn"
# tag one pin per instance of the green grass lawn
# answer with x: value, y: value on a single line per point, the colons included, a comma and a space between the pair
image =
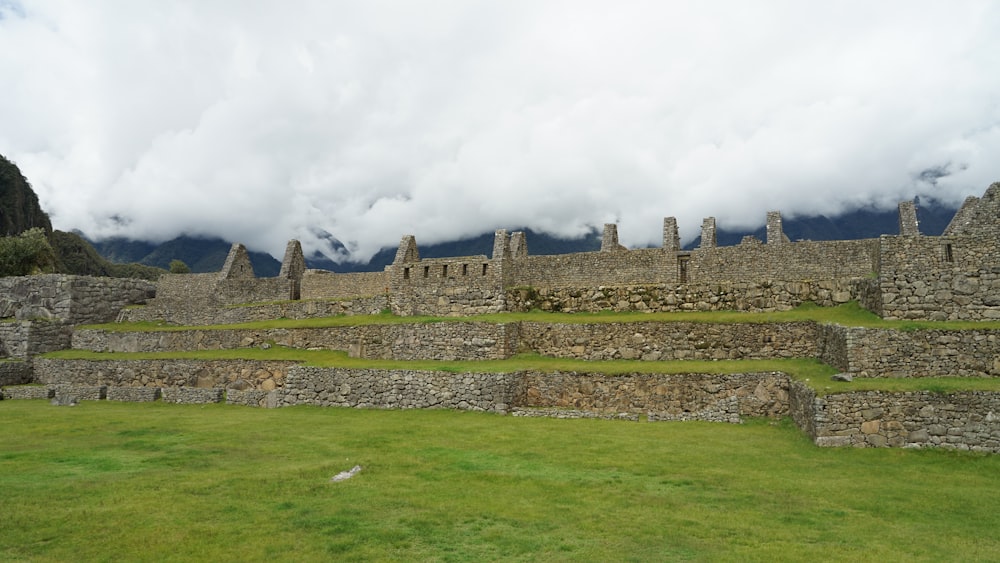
x: 158, y: 482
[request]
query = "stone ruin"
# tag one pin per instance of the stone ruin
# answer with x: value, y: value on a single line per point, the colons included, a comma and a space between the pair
x: 955, y: 276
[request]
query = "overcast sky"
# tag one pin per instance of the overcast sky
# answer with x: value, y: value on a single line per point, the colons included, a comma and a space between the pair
x: 261, y: 121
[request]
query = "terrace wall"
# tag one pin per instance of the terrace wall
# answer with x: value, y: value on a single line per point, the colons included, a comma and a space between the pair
x: 689, y: 396
x: 210, y: 315
x: 400, y: 389
x: 963, y: 420
x: 722, y: 296
x: 220, y: 374
x: 869, y: 352
x: 23, y: 339
x: 671, y: 341
x: 431, y: 341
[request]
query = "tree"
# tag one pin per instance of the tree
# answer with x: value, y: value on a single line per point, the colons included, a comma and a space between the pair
x: 27, y: 253
x: 179, y: 267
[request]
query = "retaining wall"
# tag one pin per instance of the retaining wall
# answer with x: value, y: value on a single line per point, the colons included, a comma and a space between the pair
x: 671, y: 341
x: 24, y: 339
x: 870, y: 352
x: 211, y: 315
x: 262, y: 375
x: 14, y: 372
x: 399, y: 389
x: 965, y: 420
x: 73, y: 299
x: 689, y: 396
x: 433, y: 341
x: 723, y: 296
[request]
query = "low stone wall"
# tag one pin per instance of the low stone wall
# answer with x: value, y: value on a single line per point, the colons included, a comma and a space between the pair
x: 260, y: 312
x: 870, y: 352
x: 220, y: 374
x: 134, y: 394
x: 27, y: 392
x: 967, y: 420
x: 69, y: 393
x: 723, y: 296
x: 253, y: 398
x: 191, y: 395
x: 688, y: 396
x: 399, y: 389
x: 671, y: 341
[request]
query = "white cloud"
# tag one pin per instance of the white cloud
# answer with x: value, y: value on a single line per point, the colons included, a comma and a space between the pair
x: 262, y: 121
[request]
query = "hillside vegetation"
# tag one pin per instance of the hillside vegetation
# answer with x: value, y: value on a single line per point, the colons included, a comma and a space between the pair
x: 30, y: 246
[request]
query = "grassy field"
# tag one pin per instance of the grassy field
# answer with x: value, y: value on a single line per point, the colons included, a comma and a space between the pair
x: 108, y: 481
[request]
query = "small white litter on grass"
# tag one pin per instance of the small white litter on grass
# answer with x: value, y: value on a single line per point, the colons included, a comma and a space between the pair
x: 345, y: 475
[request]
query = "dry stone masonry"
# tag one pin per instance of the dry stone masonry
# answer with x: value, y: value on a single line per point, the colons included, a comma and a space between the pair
x: 909, y: 276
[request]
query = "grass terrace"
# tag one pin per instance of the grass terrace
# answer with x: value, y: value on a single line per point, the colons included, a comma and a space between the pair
x: 153, y: 482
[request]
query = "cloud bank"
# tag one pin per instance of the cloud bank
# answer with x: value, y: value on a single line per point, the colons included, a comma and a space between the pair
x: 264, y: 121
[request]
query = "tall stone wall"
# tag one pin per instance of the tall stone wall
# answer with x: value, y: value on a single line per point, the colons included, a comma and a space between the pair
x: 916, y: 419
x: 320, y: 284
x: 795, y: 261
x: 593, y: 269
x: 73, y: 299
x: 940, y: 278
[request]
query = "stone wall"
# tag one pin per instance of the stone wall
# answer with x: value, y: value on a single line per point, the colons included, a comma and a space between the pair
x: 670, y: 341
x: 870, y: 352
x: 796, y: 261
x: 14, y: 372
x: 964, y: 420
x: 320, y: 284
x: 400, y: 389
x: 689, y: 396
x: 210, y: 315
x: 258, y: 290
x: 72, y: 299
x: 23, y: 339
x: 470, y: 285
x: 725, y: 296
x: 239, y: 374
x: 624, y: 267
x: 428, y: 341
x: 940, y: 278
